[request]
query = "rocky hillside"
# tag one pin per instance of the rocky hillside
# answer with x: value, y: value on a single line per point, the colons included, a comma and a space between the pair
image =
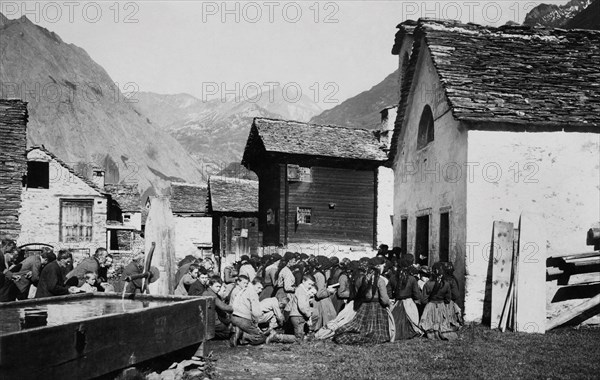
x: 215, y: 132
x: 589, y: 18
x: 77, y: 112
x: 362, y: 110
x: 555, y: 16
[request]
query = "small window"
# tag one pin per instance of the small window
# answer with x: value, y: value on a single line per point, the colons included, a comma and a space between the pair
x: 76, y: 220
x: 425, y: 128
x: 303, y: 215
x: 126, y: 218
x: 298, y: 173
x: 38, y: 175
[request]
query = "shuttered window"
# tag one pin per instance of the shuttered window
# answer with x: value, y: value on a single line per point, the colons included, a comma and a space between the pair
x: 76, y: 220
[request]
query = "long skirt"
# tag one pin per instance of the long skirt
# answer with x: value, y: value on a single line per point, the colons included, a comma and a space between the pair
x: 406, y: 319
x: 370, y: 325
x: 345, y: 316
x: 323, y: 313
x: 439, y: 321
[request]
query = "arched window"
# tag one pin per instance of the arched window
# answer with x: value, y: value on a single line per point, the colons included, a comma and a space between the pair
x: 425, y: 128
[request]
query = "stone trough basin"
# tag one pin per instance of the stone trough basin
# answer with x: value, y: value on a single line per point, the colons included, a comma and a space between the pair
x: 83, y: 336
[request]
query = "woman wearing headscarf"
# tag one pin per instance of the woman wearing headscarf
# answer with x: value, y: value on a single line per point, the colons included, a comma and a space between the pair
x: 404, y: 311
x: 324, y: 310
x: 371, y: 323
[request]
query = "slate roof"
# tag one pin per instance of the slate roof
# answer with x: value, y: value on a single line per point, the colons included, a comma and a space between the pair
x: 127, y: 196
x: 233, y: 194
x: 516, y: 74
x: 87, y: 181
x: 511, y: 77
x: 293, y: 137
x: 188, y: 198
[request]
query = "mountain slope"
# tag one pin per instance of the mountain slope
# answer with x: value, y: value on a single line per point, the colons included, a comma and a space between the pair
x: 362, y: 110
x: 555, y: 16
x: 77, y: 112
x: 589, y: 18
x: 214, y: 132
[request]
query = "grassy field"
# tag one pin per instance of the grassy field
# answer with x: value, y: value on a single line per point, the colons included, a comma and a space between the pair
x: 479, y: 354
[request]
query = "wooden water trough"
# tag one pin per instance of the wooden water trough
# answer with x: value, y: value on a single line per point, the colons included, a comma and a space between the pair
x: 87, y: 335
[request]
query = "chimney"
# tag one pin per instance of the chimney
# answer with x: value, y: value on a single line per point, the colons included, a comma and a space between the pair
x: 386, y: 129
x: 98, y: 177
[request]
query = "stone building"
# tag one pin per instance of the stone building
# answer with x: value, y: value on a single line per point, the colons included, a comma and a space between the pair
x: 124, y: 222
x: 60, y: 207
x: 13, y: 164
x: 193, y: 224
x: 493, y: 122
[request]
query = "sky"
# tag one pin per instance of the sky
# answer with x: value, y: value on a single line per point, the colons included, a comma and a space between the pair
x: 327, y: 50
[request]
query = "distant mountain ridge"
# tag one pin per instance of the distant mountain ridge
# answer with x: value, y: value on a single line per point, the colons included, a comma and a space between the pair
x: 555, y: 16
x: 362, y: 110
x: 77, y: 112
x: 215, y: 131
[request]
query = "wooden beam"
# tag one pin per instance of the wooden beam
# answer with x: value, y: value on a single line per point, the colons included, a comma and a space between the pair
x: 574, y: 312
x: 501, y: 255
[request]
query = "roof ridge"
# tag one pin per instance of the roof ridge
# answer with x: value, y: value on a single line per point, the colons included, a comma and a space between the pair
x: 87, y: 181
x: 312, y: 124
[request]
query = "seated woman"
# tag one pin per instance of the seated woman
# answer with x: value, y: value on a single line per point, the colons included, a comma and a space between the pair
x: 371, y: 323
x: 438, y: 320
x: 404, y: 311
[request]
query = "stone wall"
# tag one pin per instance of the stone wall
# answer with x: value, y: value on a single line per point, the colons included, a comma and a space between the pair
x: 191, y: 231
x: 431, y: 180
x: 13, y: 164
x: 40, y: 209
x: 555, y: 174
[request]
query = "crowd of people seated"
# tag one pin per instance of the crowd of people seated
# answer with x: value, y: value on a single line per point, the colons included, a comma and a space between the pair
x: 295, y: 297
x: 274, y: 298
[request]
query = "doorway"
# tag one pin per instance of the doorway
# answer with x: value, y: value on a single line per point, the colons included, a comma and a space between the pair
x: 422, y: 240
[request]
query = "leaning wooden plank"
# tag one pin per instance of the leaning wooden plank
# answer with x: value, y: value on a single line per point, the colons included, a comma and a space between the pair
x: 501, y: 256
x: 503, y: 324
x: 531, y: 281
x: 574, y: 312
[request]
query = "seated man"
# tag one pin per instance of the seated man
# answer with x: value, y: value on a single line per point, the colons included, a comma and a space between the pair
x: 241, y: 283
x: 187, y: 280
x: 300, y: 307
x: 222, y: 310
x: 200, y: 286
x: 247, y: 312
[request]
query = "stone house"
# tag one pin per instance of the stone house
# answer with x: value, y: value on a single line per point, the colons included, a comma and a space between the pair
x: 493, y: 122
x: 193, y: 224
x: 317, y: 185
x: 61, y: 207
x: 233, y: 205
x: 13, y: 164
x: 124, y: 232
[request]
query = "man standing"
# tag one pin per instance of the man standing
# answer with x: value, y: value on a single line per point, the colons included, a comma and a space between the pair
x: 52, y: 281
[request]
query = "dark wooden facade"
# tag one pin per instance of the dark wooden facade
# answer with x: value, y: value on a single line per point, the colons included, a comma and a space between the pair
x: 13, y: 140
x: 233, y: 205
x: 235, y: 235
x: 334, y: 198
x: 342, y: 202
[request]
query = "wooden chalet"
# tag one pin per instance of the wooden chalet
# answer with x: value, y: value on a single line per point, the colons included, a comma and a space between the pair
x: 317, y: 184
x: 233, y: 204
